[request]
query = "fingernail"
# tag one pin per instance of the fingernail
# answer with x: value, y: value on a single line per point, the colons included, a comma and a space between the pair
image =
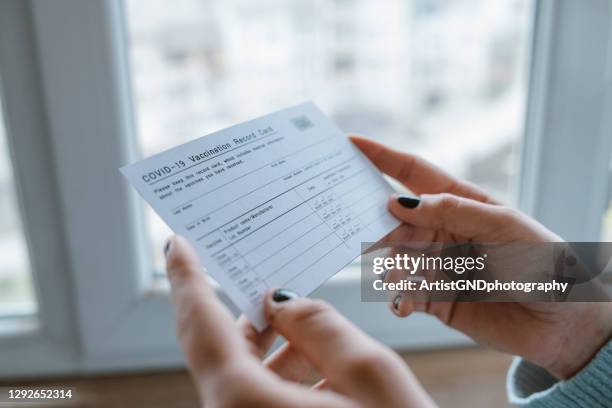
x: 396, y: 301
x: 408, y: 201
x: 282, y: 295
x: 167, y: 248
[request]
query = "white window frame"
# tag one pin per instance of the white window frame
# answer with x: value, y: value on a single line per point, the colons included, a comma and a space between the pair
x: 69, y: 112
x: 567, y: 144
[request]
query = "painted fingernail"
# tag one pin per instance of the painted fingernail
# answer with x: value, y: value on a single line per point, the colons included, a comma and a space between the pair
x: 167, y: 248
x: 282, y: 295
x: 408, y: 201
x: 396, y: 302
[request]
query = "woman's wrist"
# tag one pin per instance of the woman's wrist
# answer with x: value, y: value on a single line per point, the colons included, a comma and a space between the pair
x: 583, y: 338
x: 529, y: 385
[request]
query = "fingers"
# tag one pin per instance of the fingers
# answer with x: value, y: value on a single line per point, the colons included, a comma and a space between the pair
x: 454, y: 214
x: 205, y: 327
x: 409, y: 234
x: 401, y: 305
x: 415, y: 173
x: 404, y: 303
x: 289, y: 364
x: 258, y: 342
x: 352, y: 362
x: 286, y: 362
x: 215, y: 350
x: 250, y: 386
x: 315, y: 329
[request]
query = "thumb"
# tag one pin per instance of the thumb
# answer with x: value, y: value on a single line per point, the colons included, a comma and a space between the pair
x: 352, y: 363
x: 350, y: 360
x: 314, y: 328
x: 454, y: 214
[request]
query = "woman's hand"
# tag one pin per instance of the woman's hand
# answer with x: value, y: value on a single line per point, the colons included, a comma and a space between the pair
x: 225, y: 357
x: 561, y: 337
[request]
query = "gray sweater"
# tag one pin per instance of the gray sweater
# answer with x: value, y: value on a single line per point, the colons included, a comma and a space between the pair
x: 531, y: 386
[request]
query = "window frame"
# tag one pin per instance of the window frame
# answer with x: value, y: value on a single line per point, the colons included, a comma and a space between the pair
x: 44, y: 343
x: 67, y: 89
x: 573, y: 209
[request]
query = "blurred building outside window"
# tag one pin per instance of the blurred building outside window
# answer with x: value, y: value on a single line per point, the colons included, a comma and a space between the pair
x: 16, y: 289
x: 443, y: 79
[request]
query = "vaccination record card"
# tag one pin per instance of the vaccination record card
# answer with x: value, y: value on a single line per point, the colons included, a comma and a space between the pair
x: 284, y: 200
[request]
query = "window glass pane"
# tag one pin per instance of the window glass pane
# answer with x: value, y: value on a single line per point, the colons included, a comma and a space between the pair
x: 16, y: 291
x: 606, y: 230
x: 444, y: 79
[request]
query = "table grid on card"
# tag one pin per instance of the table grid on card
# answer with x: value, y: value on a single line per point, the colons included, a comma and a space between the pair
x: 319, y: 215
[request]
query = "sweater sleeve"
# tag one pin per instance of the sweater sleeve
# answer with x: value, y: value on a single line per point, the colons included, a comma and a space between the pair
x: 531, y: 386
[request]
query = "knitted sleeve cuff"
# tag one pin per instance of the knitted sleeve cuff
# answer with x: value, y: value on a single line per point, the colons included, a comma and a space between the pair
x: 529, y: 385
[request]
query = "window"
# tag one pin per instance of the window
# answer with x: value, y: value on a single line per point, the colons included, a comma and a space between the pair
x: 446, y: 80
x: 607, y: 217
x: 504, y: 93
x: 16, y: 291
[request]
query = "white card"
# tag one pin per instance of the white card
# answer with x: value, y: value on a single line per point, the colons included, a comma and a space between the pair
x: 282, y: 201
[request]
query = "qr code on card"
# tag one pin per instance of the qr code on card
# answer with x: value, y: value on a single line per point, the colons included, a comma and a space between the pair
x: 302, y: 123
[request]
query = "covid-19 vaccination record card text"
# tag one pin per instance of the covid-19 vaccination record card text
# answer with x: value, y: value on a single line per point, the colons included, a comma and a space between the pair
x: 284, y: 200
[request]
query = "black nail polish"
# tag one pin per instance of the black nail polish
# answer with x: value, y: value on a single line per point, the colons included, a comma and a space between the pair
x: 282, y: 295
x: 167, y: 248
x: 408, y: 202
x: 396, y: 301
